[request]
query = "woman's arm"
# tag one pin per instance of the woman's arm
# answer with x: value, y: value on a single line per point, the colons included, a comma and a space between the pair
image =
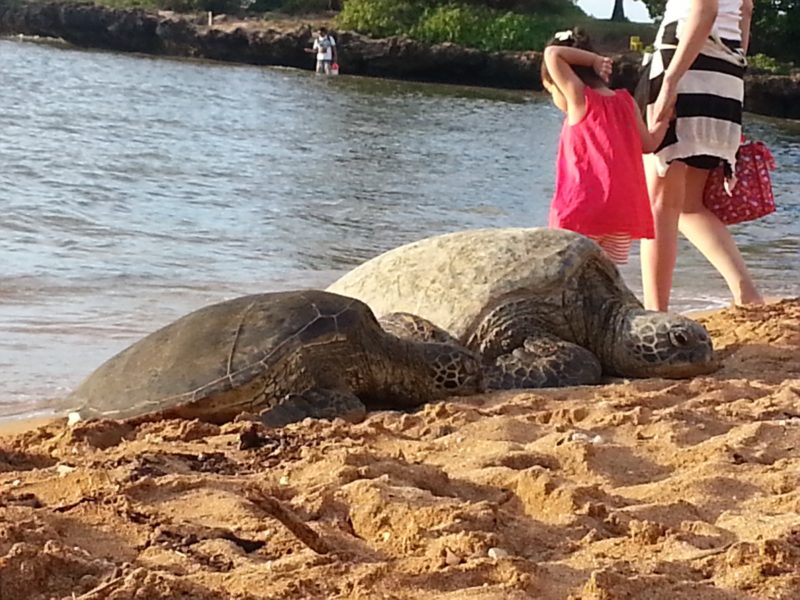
x: 694, y: 35
x: 744, y: 23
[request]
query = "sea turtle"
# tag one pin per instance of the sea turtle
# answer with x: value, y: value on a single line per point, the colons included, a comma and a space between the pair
x: 286, y: 355
x: 543, y: 308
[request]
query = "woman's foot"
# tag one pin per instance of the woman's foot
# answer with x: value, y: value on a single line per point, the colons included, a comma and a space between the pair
x: 748, y: 295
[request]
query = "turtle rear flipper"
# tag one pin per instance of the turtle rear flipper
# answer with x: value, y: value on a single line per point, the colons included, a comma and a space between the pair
x: 413, y: 327
x: 317, y: 403
x: 544, y: 361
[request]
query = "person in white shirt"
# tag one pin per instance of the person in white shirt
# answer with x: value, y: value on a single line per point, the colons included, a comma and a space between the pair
x: 325, y: 49
x: 696, y: 74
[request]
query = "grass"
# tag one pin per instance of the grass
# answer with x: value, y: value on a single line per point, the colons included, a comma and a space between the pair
x: 614, y: 36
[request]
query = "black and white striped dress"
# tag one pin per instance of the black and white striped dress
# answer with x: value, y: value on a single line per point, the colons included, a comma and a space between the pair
x: 708, y: 125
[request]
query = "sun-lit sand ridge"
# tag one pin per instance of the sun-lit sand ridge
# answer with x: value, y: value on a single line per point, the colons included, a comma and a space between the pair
x: 637, y: 489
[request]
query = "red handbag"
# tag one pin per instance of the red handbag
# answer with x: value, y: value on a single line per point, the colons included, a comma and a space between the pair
x: 751, y: 197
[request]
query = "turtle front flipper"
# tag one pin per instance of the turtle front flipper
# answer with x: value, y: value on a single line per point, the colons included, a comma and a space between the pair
x: 316, y: 403
x: 543, y: 361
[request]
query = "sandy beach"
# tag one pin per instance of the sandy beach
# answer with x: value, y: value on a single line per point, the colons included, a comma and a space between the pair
x: 636, y: 489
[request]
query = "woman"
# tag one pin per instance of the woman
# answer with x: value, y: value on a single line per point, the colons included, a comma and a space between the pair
x: 696, y: 74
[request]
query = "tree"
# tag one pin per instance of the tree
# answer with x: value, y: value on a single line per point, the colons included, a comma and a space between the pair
x: 655, y: 7
x: 774, y: 31
x: 619, y: 11
x: 776, y: 28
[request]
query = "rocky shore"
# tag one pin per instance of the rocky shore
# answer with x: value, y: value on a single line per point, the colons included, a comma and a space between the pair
x: 261, y: 43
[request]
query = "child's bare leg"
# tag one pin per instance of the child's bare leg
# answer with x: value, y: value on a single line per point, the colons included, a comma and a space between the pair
x: 714, y: 240
x: 659, y: 254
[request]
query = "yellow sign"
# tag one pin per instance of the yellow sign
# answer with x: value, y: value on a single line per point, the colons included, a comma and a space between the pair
x: 636, y: 43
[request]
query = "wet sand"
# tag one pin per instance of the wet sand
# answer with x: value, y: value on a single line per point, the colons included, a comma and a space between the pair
x: 636, y: 489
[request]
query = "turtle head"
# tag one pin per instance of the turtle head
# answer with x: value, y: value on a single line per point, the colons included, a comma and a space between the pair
x: 454, y: 370
x: 657, y: 344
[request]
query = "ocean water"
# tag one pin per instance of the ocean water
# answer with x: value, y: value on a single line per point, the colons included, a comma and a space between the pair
x: 135, y: 189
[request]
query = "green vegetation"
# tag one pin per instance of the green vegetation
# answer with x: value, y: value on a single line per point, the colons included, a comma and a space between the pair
x: 231, y: 7
x: 473, y: 26
x: 775, y: 29
x: 489, y: 25
x: 494, y: 25
x: 181, y: 6
x: 217, y: 6
x: 292, y: 7
x: 380, y: 18
x: 483, y: 28
x: 614, y: 36
x: 762, y: 62
x: 486, y: 26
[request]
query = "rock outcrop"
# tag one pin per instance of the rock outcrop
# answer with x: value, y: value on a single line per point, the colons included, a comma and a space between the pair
x: 257, y: 43
x: 774, y: 95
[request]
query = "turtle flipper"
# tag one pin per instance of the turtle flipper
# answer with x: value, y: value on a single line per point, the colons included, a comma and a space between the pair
x: 544, y: 361
x: 413, y: 327
x: 316, y: 403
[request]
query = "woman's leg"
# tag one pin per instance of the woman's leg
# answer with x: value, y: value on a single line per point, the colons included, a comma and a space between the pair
x: 659, y: 254
x: 712, y: 238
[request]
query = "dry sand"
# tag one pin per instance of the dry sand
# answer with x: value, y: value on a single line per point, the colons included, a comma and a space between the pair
x: 637, y: 489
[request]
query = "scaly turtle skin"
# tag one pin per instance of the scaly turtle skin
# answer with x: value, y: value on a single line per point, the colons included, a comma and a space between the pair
x: 287, y: 356
x: 543, y: 308
x: 408, y: 326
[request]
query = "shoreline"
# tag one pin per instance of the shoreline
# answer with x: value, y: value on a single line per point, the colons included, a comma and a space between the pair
x: 22, y: 424
x: 19, y: 423
x: 677, y: 489
x: 267, y: 43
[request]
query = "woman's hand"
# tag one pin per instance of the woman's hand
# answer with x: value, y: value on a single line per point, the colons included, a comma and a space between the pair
x: 664, y: 107
x: 696, y: 30
x: 602, y: 66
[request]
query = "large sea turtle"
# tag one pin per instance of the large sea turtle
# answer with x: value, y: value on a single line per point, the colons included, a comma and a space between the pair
x: 286, y: 355
x: 543, y: 307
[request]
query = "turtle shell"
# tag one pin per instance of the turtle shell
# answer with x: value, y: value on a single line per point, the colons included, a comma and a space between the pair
x: 216, y: 358
x: 452, y: 279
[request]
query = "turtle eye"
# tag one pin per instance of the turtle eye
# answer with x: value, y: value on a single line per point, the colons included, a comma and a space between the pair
x: 679, y: 338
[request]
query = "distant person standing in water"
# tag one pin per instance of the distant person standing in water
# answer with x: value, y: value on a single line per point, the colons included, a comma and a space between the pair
x: 325, y: 49
x: 600, y: 185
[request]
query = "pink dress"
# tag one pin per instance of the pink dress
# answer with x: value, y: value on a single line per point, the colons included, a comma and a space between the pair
x: 600, y: 186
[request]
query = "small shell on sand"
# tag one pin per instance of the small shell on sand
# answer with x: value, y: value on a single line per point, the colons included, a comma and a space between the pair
x: 496, y: 553
x: 64, y: 470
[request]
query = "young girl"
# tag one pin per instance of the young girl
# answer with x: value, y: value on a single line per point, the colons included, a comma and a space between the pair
x: 600, y: 185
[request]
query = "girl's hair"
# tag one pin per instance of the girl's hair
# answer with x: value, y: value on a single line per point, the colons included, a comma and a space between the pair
x: 574, y: 38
